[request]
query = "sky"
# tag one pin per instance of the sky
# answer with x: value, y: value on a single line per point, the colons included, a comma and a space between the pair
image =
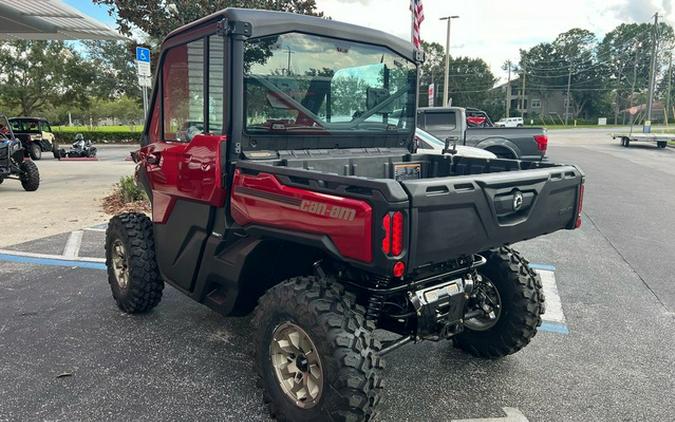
x: 494, y: 30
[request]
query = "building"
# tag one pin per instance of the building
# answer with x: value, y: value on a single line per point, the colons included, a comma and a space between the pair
x: 535, y: 104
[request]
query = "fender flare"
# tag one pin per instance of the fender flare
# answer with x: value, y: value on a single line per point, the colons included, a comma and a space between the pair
x: 501, y: 143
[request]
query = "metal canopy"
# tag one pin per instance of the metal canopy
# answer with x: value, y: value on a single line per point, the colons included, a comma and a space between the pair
x: 49, y: 20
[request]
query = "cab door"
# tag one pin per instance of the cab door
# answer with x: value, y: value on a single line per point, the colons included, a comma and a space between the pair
x: 181, y: 159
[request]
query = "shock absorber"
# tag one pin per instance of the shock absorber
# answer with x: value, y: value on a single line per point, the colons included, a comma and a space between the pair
x: 376, y: 300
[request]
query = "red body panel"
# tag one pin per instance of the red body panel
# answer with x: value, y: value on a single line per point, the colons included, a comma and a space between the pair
x: 185, y: 170
x: 263, y: 200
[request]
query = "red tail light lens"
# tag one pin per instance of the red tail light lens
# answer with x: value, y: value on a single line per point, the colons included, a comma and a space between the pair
x: 398, y: 270
x: 542, y: 142
x: 397, y: 234
x: 580, y: 205
x: 392, y: 242
x: 386, y: 241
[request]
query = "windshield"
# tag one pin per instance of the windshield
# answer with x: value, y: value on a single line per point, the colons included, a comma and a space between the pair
x: 303, y: 83
x: 428, y: 141
x: 24, y: 125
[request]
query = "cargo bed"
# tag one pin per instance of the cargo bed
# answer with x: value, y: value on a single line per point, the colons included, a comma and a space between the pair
x: 457, y: 206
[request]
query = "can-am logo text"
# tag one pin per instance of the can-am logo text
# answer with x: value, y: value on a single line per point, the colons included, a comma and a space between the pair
x: 331, y: 211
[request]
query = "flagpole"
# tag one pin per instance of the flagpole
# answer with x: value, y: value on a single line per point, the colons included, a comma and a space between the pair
x: 412, y: 21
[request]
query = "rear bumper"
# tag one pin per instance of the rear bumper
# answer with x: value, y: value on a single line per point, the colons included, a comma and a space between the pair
x: 533, y: 158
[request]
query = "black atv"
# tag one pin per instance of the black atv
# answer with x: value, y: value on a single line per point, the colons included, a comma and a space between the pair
x: 13, y: 163
x: 81, y: 148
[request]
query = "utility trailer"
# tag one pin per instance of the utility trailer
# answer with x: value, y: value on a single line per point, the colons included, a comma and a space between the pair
x: 661, y: 139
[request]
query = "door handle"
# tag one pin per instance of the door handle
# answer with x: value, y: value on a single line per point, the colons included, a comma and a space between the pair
x: 152, y: 159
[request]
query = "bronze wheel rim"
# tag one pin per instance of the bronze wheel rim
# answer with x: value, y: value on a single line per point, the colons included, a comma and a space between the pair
x: 297, y: 365
x: 120, y: 264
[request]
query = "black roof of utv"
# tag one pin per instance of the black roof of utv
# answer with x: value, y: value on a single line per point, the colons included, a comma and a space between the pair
x: 265, y: 22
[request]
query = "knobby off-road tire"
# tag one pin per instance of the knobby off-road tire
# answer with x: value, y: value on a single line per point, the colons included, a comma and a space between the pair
x: 35, y: 152
x: 132, y: 268
x: 350, y: 365
x: 30, y: 176
x: 522, y: 304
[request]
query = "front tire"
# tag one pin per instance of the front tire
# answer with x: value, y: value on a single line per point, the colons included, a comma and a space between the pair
x: 132, y: 268
x: 339, y: 377
x: 521, y: 296
x: 35, y: 152
x: 30, y: 176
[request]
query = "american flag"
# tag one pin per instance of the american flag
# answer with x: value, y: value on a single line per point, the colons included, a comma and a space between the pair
x: 417, y: 19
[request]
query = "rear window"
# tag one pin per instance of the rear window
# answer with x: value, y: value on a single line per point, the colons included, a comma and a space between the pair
x: 440, y: 121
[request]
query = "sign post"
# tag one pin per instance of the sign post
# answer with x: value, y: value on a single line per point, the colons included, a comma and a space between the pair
x: 144, y: 74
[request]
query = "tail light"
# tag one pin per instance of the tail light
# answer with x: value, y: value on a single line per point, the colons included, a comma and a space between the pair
x: 580, y: 206
x: 392, y: 242
x: 386, y: 241
x: 542, y: 142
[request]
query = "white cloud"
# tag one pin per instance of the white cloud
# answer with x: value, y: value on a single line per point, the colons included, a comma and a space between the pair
x: 495, y: 30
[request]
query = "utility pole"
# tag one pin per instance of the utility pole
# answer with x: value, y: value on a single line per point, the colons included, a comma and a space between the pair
x: 635, y: 66
x: 446, y: 75
x: 507, y: 100
x: 288, y: 62
x: 670, y: 73
x: 567, y: 102
x: 523, y: 99
x: 652, y: 70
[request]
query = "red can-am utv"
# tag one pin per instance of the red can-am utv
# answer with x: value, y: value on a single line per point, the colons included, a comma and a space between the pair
x: 280, y: 160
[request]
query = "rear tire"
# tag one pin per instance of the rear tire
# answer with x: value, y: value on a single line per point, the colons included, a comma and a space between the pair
x: 349, y: 368
x: 132, y: 268
x: 625, y: 142
x: 522, y: 304
x: 30, y: 176
x: 661, y: 144
x: 35, y: 152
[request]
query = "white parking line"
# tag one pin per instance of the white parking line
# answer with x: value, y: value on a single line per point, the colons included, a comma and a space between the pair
x: 95, y: 229
x: 512, y: 415
x: 553, y: 318
x: 72, y: 248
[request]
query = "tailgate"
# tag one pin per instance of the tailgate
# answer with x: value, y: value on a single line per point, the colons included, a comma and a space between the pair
x: 460, y: 215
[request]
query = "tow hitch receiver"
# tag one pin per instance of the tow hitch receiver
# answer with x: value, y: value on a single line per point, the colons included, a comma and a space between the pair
x: 440, y: 308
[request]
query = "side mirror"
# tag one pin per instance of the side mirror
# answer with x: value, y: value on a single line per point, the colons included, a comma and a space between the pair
x: 453, y: 139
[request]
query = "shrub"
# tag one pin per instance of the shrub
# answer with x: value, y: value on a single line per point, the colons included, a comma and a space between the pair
x: 129, y: 190
x: 127, y: 196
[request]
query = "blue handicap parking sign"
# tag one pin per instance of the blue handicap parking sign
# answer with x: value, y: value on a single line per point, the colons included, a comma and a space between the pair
x: 143, y: 54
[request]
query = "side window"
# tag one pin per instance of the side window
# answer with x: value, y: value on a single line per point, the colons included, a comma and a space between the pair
x: 183, y: 91
x: 216, y: 83
x: 44, y: 126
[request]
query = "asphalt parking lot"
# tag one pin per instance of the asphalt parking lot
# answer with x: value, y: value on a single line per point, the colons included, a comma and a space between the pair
x: 67, y: 352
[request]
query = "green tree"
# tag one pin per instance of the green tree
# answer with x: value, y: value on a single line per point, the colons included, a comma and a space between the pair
x: 37, y: 74
x: 157, y: 20
x: 115, y: 74
x: 627, y: 52
x: 470, y: 79
x: 571, y: 55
